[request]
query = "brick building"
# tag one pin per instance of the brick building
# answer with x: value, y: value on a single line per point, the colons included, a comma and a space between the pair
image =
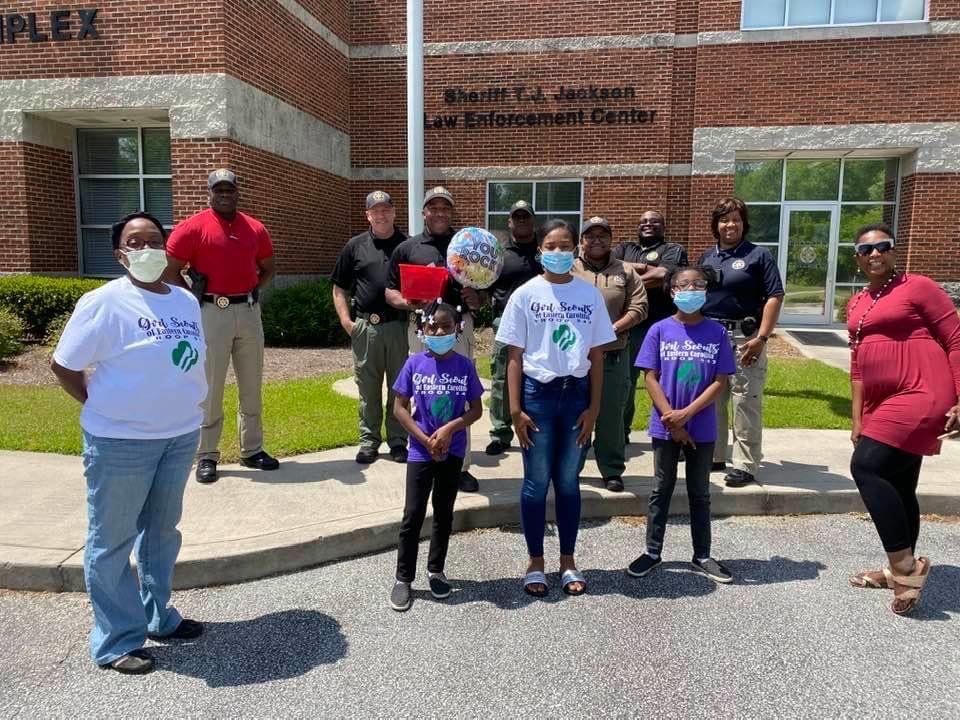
x: 822, y: 114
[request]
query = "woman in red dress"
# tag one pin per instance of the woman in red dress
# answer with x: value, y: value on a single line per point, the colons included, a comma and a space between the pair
x: 905, y: 378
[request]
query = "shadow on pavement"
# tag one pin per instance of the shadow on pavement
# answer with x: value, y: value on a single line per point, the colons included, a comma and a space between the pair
x: 249, y: 652
x: 775, y: 570
x: 345, y: 472
x: 802, y: 475
x: 940, y: 599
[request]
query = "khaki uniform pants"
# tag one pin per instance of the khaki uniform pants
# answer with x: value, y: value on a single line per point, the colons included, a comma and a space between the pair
x: 378, y: 351
x: 236, y: 333
x: 745, y: 390
x: 464, y: 346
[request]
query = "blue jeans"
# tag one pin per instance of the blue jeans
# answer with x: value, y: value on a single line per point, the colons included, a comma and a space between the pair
x: 554, y: 408
x: 134, y: 499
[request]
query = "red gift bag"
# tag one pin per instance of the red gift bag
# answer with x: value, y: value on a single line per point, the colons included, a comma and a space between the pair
x: 419, y: 282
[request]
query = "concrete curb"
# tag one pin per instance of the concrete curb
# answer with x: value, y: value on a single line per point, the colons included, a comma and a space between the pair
x: 379, y: 531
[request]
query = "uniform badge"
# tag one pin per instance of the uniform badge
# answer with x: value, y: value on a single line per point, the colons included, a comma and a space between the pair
x: 223, y: 302
x: 738, y: 264
x: 379, y: 196
x: 374, y: 319
x: 653, y: 256
x: 620, y: 280
x: 596, y: 219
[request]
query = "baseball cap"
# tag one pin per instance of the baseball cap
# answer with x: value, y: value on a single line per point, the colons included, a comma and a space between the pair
x: 378, y: 197
x: 522, y: 205
x: 221, y: 175
x: 438, y: 192
x: 593, y: 222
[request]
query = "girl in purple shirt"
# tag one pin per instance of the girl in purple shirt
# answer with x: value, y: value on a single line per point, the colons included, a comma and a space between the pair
x: 686, y: 359
x: 445, y: 391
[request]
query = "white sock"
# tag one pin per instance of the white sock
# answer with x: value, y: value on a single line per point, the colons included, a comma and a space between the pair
x: 702, y: 560
x: 655, y: 556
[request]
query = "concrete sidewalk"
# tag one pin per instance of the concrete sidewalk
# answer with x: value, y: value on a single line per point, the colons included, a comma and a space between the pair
x: 323, y: 506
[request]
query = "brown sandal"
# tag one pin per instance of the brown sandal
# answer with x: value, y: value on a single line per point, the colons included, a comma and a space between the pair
x: 913, y: 582
x: 864, y: 581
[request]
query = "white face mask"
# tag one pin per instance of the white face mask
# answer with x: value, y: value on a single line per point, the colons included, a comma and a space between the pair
x: 146, y: 265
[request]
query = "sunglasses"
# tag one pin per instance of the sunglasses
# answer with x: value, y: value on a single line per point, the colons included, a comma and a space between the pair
x: 866, y: 249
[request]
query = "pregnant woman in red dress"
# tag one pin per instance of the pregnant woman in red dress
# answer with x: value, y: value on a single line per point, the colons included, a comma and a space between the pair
x: 905, y: 378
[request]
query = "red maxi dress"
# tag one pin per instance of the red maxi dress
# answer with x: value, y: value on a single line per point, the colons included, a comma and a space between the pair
x: 909, y: 362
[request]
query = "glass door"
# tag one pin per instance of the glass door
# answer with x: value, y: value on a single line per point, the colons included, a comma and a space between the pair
x: 808, y: 254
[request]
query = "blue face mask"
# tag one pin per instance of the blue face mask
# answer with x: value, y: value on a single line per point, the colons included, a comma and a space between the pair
x: 440, y: 344
x: 557, y: 261
x: 690, y: 301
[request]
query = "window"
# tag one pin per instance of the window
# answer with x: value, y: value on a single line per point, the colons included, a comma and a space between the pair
x: 119, y: 172
x: 805, y: 13
x: 864, y: 189
x: 551, y: 200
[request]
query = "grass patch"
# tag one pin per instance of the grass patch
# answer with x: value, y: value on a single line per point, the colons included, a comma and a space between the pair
x: 300, y: 416
x: 800, y: 393
x: 307, y: 415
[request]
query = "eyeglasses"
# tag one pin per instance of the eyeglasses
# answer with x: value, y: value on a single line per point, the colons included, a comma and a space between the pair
x: 695, y: 284
x: 138, y: 244
x: 866, y: 249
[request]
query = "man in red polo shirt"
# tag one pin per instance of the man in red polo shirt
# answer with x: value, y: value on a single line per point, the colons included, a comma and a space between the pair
x: 234, y: 253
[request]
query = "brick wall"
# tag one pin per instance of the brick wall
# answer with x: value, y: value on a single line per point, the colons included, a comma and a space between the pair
x: 304, y: 209
x: 928, y: 231
x: 37, y: 221
x: 136, y: 38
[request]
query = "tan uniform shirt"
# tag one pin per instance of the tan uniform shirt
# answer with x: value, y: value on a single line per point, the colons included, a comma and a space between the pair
x: 622, y: 290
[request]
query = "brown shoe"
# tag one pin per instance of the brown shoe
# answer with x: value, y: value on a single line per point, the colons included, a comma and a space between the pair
x: 135, y: 662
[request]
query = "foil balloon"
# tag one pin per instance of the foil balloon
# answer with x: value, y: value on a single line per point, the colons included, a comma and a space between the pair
x: 475, y: 258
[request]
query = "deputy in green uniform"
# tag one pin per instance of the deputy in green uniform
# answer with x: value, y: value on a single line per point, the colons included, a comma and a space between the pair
x: 626, y: 301
x: 520, y: 264
x: 653, y: 258
x: 378, y: 332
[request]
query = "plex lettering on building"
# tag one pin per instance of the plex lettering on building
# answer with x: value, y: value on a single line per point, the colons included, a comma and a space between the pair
x: 56, y: 26
x: 822, y: 116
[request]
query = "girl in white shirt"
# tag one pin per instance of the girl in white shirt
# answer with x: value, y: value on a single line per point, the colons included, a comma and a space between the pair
x: 554, y: 325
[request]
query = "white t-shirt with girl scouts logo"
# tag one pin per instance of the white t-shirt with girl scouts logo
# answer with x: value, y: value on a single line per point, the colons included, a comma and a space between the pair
x: 146, y: 351
x: 556, y: 324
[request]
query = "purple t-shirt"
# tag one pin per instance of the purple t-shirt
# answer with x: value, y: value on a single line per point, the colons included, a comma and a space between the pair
x: 440, y: 390
x: 688, y: 358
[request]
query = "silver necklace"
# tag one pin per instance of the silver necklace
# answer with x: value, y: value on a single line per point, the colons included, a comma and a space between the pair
x: 855, y: 339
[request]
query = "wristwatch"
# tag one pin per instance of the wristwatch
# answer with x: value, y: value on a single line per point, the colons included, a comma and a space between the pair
x: 764, y: 338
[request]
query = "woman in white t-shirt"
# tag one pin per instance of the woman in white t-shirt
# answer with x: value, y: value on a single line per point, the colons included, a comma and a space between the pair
x: 554, y: 325
x: 143, y: 341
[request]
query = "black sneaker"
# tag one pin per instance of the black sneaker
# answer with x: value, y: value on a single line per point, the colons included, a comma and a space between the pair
x: 439, y: 587
x: 468, y: 483
x: 718, y: 467
x: 366, y: 456
x: 738, y: 478
x: 643, y: 565
x: 207, y: 471
x: 398, y: 454
x: 614, y: 484
x: 712, y: 569
x: 400, y: 597
x: 497, y: 447
x: 186, y: 630
x: 261, y: 461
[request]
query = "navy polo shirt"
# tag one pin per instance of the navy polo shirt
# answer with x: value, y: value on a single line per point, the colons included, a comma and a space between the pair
x: 747, y: 276
x: 362, y: 268
x: 660, y: 253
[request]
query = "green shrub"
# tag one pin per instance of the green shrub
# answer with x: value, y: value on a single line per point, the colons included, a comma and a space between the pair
x: 54, y: 331
x: 302, y: 315
x: 37, y: 300
x: 11, y: 332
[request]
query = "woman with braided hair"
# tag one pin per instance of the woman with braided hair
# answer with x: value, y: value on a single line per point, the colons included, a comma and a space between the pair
x: 445, y: 391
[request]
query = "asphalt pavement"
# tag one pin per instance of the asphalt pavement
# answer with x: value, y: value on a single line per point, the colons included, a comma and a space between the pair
x: 788, y: 639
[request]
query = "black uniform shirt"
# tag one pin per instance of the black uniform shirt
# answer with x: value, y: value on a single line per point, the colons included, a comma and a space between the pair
x: 747, y: 276
x: 425, y: 249
x: 362, y: 270
x: 520, y: 264
x: 658, y: 254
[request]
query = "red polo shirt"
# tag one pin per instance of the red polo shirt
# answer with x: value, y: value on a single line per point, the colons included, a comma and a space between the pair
x: 226, y: 252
